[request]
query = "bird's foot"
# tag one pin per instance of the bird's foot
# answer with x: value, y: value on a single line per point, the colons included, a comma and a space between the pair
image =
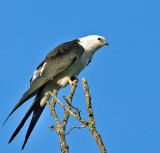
x: 73, y: 81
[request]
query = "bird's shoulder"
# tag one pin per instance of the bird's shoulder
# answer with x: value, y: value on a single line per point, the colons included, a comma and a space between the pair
x: 63, y: 49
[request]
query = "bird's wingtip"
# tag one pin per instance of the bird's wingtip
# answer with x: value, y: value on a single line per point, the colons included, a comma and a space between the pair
x: 23, y: 145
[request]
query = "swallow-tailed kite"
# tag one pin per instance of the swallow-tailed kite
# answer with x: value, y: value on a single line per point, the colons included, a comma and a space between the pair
x: 56, y: 71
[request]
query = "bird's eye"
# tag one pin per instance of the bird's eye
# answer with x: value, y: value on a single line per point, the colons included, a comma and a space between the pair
x: 99, y: 38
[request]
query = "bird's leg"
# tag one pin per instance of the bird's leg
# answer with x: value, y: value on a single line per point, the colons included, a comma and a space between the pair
x: 73, y: 81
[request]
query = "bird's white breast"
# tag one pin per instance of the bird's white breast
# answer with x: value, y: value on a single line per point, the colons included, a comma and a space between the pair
x: 74, y: 70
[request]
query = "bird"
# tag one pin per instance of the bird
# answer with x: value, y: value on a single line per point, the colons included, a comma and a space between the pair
x: 59, y: 68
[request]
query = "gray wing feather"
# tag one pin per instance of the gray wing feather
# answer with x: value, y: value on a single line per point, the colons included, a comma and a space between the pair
x: 56, y: 61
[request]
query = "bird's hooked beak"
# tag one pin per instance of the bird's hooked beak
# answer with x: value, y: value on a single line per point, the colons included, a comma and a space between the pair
x: 106, y: 43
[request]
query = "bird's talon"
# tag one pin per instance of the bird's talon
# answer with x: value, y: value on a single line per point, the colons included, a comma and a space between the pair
x: 73, y: 82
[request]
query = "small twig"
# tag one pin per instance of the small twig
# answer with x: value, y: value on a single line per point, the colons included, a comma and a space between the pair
x: 48, y: 103
x: 76, y: 110
x: 72, y: 107
x: 66, y: 100
x: 73, y: 127
x: 52, y: 127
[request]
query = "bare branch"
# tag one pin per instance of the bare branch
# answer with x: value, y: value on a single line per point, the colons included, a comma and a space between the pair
x: 88, y: 100
x: 59, y: 129
x: 53, y: 103
x: 63, y: 144
x: 91, y: 124
x: 52, y: 108
x: 72, y: 113
x: 69, y: 102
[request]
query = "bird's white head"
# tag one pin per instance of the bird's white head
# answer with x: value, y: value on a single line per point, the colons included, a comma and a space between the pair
x: 92, y: 43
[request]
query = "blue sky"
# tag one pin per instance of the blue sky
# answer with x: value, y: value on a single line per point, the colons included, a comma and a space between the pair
x: 123, y: 78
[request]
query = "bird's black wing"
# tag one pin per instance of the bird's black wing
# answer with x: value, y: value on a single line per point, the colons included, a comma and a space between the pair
x: 58, y: 60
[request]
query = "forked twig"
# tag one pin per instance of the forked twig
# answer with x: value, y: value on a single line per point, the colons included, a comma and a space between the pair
x: 73, y: 127
x: 72, y: 113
